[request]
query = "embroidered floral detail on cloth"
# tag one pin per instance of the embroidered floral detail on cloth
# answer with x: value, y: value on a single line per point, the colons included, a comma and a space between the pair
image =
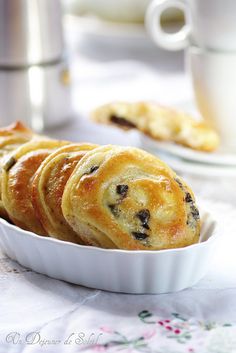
x: 175, y: 334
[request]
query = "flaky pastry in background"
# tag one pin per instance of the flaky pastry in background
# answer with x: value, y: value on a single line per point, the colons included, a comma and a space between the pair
x: 159, y: 122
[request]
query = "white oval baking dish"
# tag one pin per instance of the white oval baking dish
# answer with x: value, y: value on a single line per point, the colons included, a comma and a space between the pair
x: 112, y: 270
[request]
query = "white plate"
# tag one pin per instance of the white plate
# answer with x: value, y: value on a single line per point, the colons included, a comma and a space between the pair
x: 221, y: 156
x: 113, y: 270
x: 194, y: 168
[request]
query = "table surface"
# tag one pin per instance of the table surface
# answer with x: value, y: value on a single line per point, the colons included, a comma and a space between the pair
x: 39, y: 313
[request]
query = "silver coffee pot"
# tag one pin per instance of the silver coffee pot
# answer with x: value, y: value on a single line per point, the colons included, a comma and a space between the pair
x: 34, y: 75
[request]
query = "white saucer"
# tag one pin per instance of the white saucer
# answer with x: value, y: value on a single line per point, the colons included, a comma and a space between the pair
x: 221, y: 157
x: 99, y: 28
x: 194, y: 168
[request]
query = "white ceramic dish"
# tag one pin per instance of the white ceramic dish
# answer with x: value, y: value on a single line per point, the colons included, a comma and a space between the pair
x: 221, y: 157
x: 181, y: 165
x: 112, y: 270
x: 166, y: 152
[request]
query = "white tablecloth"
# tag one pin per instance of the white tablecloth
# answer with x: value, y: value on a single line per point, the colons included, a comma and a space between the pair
x: 40, y: 314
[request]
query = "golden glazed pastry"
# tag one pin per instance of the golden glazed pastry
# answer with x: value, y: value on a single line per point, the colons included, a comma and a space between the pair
x: 17, y: 174
x: 160, y: 123
x: 11, y: 137
x: 123, y: 197
x: 48, y: 186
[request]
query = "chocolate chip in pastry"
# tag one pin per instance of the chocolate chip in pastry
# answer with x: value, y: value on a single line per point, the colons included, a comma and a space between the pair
x: 131, y: 201
x: 48, y: 186
x: 18, y: 171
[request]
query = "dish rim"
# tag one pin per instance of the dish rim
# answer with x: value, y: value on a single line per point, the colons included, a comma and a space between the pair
x: 211, y: 239
x: 219, y: 158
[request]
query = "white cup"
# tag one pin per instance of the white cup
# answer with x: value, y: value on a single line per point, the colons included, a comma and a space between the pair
x: 209, y: 23
x: 214, y: 83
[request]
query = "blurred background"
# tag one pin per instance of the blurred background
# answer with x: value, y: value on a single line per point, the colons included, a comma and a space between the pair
x: 113, y: 58
x: 112, y: 47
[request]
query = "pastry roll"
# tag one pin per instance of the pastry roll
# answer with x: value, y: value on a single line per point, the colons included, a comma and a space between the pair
x: 17, y: 174
x: 48, y: 186
x: 160, y: 123
x: 123, y: 197
x: 11, y: 137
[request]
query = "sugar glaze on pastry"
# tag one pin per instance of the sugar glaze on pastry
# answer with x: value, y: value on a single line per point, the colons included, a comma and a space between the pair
x: 123, y: 197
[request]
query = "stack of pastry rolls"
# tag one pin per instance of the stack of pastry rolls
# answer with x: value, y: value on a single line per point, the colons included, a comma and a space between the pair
x: 104, y: 196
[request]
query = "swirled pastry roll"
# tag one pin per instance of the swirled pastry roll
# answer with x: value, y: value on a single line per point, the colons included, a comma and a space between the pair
x: 159, y: 122
x: 17, y: 174
x: 11, y: 137
x: 48, y: 187
x: 123, y: 197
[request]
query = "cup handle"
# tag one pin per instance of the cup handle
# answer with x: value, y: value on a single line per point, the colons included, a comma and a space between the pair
x: 171, y: 41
